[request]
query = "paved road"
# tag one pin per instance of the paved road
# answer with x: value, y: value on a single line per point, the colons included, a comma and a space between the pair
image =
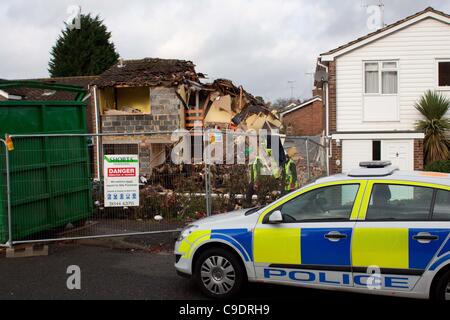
x: 121, y: 274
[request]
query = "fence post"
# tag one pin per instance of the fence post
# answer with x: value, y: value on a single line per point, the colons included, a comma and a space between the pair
x: 208, y: 189
x: 207, y: 177
x: 8, y: 193
x: 307, y: 159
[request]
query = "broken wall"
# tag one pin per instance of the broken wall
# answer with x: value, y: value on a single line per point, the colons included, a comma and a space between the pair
x: 164, y: 116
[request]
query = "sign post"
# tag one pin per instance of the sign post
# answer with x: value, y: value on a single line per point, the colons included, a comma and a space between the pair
x: 121, y: 176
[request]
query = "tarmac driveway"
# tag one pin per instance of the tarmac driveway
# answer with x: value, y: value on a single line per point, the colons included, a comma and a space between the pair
x: 122, y: 274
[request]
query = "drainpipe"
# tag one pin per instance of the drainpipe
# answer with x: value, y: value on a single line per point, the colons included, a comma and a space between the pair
x: 327, y: 119
x: 97, y: 131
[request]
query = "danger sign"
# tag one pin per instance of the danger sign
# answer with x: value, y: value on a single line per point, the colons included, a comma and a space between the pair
x: 121, y: 176
x: 121, y: 172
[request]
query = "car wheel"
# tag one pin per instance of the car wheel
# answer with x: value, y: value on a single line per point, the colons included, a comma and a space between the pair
x: 219, y: 273
x: 443, y: 288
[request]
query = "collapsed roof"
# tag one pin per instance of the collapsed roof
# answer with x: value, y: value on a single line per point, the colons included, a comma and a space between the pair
x: 148, y: 72
x: 230, y: 104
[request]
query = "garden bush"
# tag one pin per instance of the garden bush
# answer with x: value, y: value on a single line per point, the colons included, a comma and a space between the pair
x: 439, y: 166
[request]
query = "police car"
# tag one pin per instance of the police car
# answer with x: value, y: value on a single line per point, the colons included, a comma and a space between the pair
x: 374, y: 230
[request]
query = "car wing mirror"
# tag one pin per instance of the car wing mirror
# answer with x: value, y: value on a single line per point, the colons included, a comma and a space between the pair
x: 276, y: 217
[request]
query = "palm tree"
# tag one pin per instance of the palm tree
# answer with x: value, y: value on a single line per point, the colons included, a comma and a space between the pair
x: 434, y: 106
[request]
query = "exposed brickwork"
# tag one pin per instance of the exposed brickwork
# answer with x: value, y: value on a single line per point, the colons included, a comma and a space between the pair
x: 164, y: 116
x: 306, y: 121
x: 336, y: 155
x: 164, y: 100
x: 139, y: 123
x: 336, y: 151
x: 418, y: 154
x: 332, y: 105
x: 318, y: 91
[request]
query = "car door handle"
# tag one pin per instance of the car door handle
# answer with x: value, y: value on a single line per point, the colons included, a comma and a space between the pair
x: 335, y: 236
x: 425, y: 237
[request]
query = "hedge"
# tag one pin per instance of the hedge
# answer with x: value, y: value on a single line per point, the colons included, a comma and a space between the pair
x: 439, y: 166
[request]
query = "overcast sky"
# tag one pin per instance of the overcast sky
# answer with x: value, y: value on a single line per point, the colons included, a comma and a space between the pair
x: 261, y: 44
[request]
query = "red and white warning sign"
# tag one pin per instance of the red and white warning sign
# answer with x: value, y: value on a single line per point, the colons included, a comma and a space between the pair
x: 121, y: 172
x: 121, y: 175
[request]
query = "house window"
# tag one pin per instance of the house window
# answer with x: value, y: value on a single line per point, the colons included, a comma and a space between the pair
x: 371, y: 77
x: 376, y: 150
x: 444, y: 73
x: 389, y: 77
x: 381, y: 77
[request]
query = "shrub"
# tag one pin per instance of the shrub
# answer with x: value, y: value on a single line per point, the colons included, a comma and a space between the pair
x: 439, y: 166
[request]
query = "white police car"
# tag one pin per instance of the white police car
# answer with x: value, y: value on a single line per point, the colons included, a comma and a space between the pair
x: 375, y: 230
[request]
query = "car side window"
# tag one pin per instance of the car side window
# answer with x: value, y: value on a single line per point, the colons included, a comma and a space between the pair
x: 326, y: 203
x: 399, y: 202
x: 441, y: 209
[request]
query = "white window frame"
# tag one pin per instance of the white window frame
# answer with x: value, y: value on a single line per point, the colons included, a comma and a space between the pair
x: 445, y: 88
x: 380, y: 81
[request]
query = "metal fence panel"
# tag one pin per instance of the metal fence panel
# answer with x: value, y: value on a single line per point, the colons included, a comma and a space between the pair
x: 231, y: 188
x: 4, y: 220
x: 57, y: 185
x: 57, y: 190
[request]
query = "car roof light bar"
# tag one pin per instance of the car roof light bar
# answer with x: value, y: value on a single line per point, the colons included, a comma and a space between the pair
x: 373, y: 169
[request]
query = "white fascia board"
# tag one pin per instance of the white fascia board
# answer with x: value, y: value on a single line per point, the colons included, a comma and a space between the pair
x: 378, y: 136
x: 8, y: 96
x: 331, y: 57
x: 301, y: 105
x: 4, y: 94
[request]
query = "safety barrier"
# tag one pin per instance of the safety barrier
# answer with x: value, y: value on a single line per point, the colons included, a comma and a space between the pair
x: 78, y: 186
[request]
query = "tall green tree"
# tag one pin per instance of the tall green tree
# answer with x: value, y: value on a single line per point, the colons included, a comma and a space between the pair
x: 434, y: 106
x: 84, y: 51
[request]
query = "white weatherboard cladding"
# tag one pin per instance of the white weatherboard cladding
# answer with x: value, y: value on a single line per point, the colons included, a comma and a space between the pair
x: 417, y: 49
x: 354, y: 152
x: 399, y: 152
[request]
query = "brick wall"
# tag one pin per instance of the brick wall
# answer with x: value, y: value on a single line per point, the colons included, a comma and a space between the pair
x: 164, y: 101
x: 317, y: 91
x: 164, y: 116
x: 139, y: 123
x: 418, y: 154
x: 306, y: 121
x: 336, y: 155
x: 332, y: 96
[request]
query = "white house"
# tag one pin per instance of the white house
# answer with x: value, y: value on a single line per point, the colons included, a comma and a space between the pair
x: 370, y: 87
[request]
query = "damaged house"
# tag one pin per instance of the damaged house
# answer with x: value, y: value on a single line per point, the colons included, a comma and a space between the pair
x: 136, y: 96
x: 231, y: 107
x: 163, y: 95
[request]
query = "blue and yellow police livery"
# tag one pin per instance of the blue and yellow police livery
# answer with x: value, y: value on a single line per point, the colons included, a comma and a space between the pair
x: 374, y: 230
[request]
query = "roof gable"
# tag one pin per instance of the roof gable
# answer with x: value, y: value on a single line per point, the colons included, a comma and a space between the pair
x: 291, y: 108
x: 428, y: 13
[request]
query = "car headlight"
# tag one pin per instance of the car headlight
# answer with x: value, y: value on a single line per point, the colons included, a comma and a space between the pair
x: 186, y: 232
